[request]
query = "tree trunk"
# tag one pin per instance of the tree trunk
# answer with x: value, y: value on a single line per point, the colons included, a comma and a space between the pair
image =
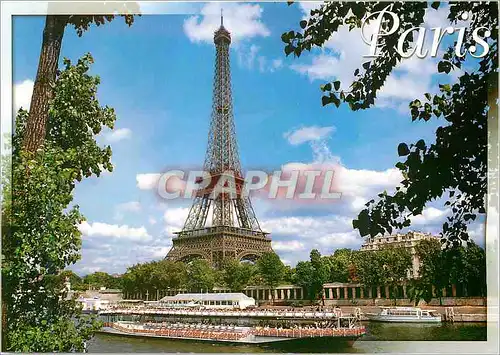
x: 36, y: 125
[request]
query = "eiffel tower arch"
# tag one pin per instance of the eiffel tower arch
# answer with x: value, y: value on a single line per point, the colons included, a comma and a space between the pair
x: 234, y: 231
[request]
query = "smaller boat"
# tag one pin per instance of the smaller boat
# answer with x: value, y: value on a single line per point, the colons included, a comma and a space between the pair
x: 405, y: 315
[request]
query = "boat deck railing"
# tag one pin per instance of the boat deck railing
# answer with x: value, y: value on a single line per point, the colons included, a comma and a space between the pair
x: 231, y: 313
x: 185, y: 332
x: 308, y: 332
x: 232, y: 333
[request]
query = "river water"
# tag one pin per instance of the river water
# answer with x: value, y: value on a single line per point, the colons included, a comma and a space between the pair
x: 378, y: 332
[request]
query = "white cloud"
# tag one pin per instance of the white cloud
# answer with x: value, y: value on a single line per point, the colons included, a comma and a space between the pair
x: 249, y: 57
x: 22, y: 95
x: 147, y: 181
x: 357, y: 183
x: 242, y: 20
x: 307, y: 6
x: 307, y: 134
x: 292, y: 245
x: 309, y: 227
x: 244, y: 23
x: 246, y: 56
x: 125, y: 232
x: 176, y: 216
x: 174, y: 219
x: 117, y: 135
x: 277, y: 64
x: 115, y: 255
x: 157, y: 252
x: 152, y: 220
x: 294, y: 237
x: 437, y: 18
x: 430, y: 216
x: 132, y: 206
x: 477, y: 232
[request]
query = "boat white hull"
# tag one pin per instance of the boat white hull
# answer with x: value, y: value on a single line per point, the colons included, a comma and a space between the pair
x: 402, y: 319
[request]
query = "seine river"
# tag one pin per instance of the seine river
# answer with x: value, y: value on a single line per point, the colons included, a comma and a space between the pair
x: 379, y: 332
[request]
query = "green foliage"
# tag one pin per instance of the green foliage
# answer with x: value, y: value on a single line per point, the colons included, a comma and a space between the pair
x: 320, y: 273
x: 237, y: 275
x: 338, y: 265
x: 76, y: 281
x: 289, y: 274
x: 461, y: 265
x: 417, y: 290
x: 201, y: 276
x: 369, y: 268
x: 82, y: 23
x: 386, y: 266
x: 312, y: 274
x: 433, y: 269
x: 39, y: 226
x: 59, y: 335
x: 101, y: 279
x: 155, y: 275
x: 396, y: 262
x: 456, y: 162
x: 271, y: 269
x: 304, y: 277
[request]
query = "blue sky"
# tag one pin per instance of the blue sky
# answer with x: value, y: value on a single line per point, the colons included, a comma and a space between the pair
x: 158, y: 75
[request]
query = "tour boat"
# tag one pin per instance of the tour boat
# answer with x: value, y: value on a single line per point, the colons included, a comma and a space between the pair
x: 259, y: 326
x: 232, y: 334
x: 405, y: 315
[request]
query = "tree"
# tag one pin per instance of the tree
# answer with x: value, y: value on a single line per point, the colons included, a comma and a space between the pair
x: 237, y: 275
x: 396, y: 262
x: 338, y: 265
x: 152, y: 277
x: 200, y: 276
x: 433, y: 270
x: 304, y: 277
x: 289, y: 274
x: 320, y: 273
x: 456, y: 162
x: 475, y: 284
x: 466, y: 267
x: 271, y: 269
x: 36, y: 125
x: 40, y: 235
x: 69, y: 275
x: 369, y: 269
x: 101, y: 279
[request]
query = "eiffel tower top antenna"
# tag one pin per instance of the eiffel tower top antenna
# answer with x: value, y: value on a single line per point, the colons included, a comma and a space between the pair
x: 221, y: 18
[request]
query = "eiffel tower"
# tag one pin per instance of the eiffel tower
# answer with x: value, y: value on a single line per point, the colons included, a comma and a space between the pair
x: 235, y: 231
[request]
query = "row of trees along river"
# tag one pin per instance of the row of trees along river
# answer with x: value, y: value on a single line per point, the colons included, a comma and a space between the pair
x: 464, y: 266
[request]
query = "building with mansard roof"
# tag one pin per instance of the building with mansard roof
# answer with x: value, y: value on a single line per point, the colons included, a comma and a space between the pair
x: 408, y: 240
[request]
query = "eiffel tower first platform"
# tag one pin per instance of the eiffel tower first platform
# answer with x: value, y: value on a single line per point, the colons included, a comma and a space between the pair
x: 234, y: 231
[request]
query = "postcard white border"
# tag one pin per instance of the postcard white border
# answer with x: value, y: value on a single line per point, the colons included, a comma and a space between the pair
x: 13, y: 8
